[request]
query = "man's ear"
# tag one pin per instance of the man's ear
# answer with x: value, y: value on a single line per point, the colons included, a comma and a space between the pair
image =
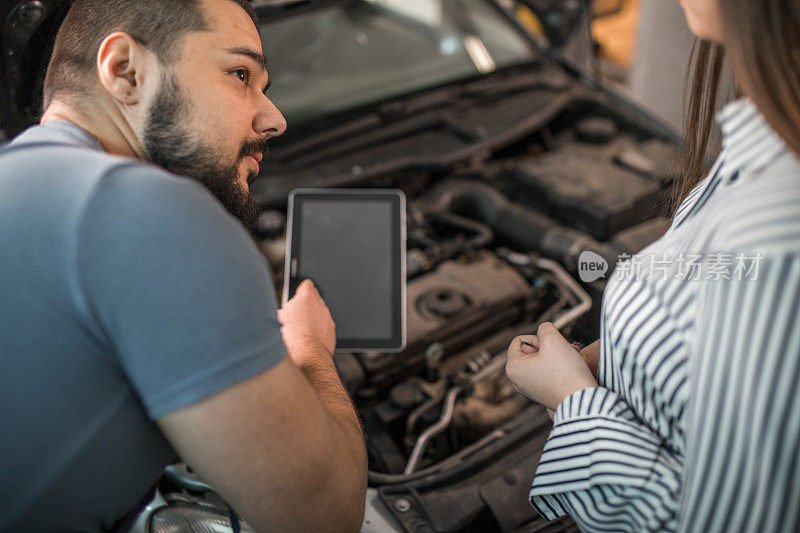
x: 122, y: 65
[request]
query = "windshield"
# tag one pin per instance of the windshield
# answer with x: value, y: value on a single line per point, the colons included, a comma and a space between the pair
x: 363, y: 51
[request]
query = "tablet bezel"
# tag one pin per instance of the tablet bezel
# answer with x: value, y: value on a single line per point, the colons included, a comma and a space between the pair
x: 397, y: 199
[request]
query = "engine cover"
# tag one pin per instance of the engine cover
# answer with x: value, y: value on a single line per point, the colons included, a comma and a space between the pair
x: 450, y: 308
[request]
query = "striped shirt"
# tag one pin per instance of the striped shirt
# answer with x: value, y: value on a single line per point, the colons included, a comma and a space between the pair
x: 696, y: 424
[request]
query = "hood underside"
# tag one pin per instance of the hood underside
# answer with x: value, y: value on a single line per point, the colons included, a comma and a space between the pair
x: 28, y: 29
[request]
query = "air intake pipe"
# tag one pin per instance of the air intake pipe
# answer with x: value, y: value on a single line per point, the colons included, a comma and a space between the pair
x: 519, y: 226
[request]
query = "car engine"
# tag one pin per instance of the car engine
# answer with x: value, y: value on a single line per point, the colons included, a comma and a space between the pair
x: 494, y: 241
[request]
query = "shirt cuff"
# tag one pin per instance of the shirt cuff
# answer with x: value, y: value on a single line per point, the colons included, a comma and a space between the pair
x: 594, y: 401
x: 547, y: 505
x: 581, y: 420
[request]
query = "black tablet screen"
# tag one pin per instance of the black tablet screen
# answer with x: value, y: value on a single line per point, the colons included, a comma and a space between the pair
x: 348, y: 245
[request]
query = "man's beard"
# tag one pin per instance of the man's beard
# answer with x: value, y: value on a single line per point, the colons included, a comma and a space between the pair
x: 169, y: 144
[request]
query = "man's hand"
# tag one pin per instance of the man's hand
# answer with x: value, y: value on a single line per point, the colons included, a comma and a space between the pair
x: 546, y: 368
x: 306, y: 322
x: 286, y: 445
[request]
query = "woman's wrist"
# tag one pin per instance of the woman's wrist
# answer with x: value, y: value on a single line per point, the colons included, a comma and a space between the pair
x: 572, y: 389
x: 591, y: 355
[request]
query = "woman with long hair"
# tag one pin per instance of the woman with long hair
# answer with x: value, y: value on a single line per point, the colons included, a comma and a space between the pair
x: 685, y: 415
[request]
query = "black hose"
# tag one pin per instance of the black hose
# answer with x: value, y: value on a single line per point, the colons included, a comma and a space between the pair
x: 520, y: 226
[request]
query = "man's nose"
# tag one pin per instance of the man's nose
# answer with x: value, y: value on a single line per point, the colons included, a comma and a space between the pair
x: 269, y: 121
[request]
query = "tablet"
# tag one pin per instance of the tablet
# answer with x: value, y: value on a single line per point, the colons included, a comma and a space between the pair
x: 352, y: 244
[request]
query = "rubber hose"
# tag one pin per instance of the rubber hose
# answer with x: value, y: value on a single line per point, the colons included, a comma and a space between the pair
x: 521, y: 226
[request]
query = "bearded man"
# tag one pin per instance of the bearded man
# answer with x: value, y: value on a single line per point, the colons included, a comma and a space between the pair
x: 138, y: 321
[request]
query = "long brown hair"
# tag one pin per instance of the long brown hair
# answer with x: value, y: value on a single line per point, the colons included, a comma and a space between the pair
x: 763, y: 49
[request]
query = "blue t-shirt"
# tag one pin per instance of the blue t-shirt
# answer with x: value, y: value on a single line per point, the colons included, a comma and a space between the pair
x: 126, y: 292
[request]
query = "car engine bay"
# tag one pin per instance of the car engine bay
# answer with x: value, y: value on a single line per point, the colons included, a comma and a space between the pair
x: 494, y: 240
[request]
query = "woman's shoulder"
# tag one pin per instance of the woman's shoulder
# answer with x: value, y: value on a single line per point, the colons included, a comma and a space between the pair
x: 762, y: 213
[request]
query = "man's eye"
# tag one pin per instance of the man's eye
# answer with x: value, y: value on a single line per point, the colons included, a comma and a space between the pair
x: 242, y: 74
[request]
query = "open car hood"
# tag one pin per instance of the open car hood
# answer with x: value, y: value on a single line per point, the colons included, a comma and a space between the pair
x: 28, y: 29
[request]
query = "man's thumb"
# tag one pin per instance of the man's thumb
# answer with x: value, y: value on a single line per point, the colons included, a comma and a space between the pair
x: 306, y: 285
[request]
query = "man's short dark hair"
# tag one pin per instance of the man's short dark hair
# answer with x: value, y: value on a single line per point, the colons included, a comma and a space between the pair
x: 158, y: 25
